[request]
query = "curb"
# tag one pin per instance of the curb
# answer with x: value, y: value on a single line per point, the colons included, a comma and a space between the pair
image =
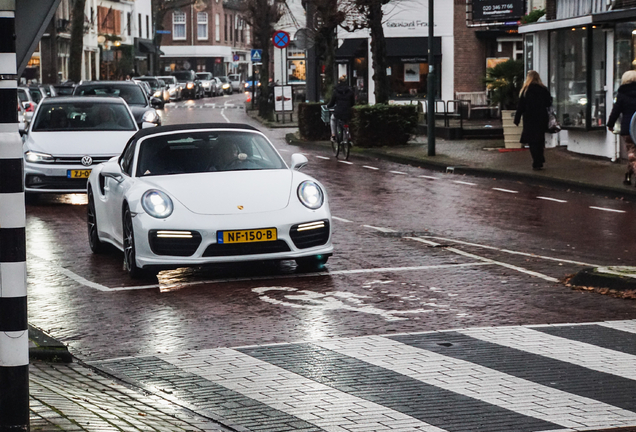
x: 614, y: 192
x: 43, y: 347
x: 590, y: 277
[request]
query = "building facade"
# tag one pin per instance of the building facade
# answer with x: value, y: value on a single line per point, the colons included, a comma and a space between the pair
x: 581, y: 50
x: 209, y: 36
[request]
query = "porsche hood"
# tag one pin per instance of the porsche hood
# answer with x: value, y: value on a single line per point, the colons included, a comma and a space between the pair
x: 227, y: 193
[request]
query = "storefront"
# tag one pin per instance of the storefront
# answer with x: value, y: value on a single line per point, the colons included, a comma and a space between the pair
x: 199, y: 58
x: 406, y: 33
x: 582, y: 60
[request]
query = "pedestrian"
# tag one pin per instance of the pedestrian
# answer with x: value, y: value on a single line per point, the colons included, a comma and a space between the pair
x: 534, y: 101
x: 625, y: 105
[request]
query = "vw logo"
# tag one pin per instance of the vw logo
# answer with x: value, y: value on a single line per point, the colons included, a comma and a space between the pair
x: 87, y: 161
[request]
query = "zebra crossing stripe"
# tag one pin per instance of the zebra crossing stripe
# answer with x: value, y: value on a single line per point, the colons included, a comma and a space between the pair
x: 626, y: 326
x: 488, y: 385
x: 558, y: 348
x: 293, y: 394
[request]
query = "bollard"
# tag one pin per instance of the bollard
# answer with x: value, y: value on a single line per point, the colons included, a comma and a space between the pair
x: 14, y: 337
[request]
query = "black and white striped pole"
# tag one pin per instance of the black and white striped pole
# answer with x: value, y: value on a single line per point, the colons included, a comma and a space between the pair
x: 14, y: 338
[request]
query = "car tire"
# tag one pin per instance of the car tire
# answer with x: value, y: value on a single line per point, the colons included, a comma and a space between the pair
x: 96, y: 245
x: 312, y: 263
x: 130, y: 256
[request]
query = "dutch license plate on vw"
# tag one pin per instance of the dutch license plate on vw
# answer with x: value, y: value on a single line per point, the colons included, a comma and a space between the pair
x: 246, y: 236
x: 78, y: 173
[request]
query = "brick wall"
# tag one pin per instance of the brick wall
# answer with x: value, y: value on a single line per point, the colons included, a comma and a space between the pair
x: 470, y: 53
x: 625, y: 4
x: 550, y: 9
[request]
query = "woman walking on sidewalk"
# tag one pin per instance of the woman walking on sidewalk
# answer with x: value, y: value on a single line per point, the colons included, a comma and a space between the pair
x: 534, y: 101
x: 626, y: 105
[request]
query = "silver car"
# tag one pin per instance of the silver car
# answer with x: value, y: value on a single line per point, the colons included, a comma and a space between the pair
x: 174, y: 88
x: 206, y: 82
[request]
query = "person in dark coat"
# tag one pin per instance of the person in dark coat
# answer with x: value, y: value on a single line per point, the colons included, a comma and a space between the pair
x: 342, y: 101
x: 534, y: 101
x: 625, y: 105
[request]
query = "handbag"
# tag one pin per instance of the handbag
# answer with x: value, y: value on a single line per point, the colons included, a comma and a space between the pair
x: 553, y: 123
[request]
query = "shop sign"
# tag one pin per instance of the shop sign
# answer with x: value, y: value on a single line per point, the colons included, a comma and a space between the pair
x: 497, y: 10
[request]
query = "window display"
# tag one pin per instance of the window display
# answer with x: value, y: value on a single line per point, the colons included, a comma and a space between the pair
x: 577, y: 76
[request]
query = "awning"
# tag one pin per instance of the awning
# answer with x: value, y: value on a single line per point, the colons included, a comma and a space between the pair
x: 352, y: 48
x: 412, y: 49
x: 148, y: 47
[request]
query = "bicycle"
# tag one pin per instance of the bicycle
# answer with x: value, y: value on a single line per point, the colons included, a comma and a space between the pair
x: 343, y: 140
x: 343, y: 135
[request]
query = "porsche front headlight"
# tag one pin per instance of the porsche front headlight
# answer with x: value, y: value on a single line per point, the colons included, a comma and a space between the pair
x: 35, y: 157
x: 150, y: 116
x: 157, y: 204
x: 310, y: 194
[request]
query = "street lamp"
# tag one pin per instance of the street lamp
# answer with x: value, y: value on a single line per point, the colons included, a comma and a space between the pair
x: 430, y: 84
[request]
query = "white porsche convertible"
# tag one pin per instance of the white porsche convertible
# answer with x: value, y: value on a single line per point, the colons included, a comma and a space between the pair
x: 194, y: 194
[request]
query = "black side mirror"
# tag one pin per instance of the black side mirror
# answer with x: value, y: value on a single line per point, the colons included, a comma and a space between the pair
x: 155, y: 102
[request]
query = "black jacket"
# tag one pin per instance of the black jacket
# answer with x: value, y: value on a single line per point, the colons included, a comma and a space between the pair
x: 343, y: 99
x: 534, y: 108
x: 626, y: 105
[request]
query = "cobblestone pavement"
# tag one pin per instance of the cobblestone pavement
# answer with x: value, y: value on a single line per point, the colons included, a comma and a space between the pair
x: 71, y: 397
x: 521, y: 378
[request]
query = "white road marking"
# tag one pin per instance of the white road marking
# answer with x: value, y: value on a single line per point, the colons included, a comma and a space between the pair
x: 323, y: 157
x: 479, y: 382
x: 491, y: 261
x: 465, y: 183
x: 370, y: 167
x: 514, y: 252
x: 385, y: 230
x: 213, y: 105
x: 283, y: 150
x: 566, y: 350
x: 429, y: 177
x: 398, y: 172
x: 223, y: 115
x: 346, y: 162
x: 340, y: 219
x: 626, y: 325
x: 69, y: 274
x: 607, y: 209
x: 302, y: 275
x: 505, y: 190
x: 304, y: 398
x: 551, y: 199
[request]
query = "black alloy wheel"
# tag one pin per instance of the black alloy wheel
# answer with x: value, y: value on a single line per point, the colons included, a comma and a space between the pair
x: 91, y: 218
x: 346, y: 145
x: 130, y: 256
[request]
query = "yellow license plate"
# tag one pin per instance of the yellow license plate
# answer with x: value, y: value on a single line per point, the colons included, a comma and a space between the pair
x: 78, y: 173
x: 246, y: 236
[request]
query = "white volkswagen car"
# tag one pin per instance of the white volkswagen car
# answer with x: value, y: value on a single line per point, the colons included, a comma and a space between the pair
x: 195, y: 194
x: 68, y: 136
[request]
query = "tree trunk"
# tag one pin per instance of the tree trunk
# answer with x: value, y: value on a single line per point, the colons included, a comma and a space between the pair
x: 378, y: 51
x: 330, y: 61
x: 77, y: 42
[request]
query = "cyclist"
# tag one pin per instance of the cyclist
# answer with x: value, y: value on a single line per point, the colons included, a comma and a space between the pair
x: 342, y: 101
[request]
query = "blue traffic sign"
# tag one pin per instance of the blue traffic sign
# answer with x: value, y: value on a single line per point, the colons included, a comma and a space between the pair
x: 257, y: 55
x: 281, y: 39
x: 163, y: 31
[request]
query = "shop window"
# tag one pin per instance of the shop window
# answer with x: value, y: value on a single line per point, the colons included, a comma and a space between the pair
x: 407, y: 80
x: 297, y: 72
x: 217, y: 27
x: 577, y: 76
x: 178, y: 26
x: 624, y: 51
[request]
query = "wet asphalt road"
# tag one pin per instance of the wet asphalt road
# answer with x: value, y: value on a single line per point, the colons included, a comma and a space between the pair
x: 415, y: 250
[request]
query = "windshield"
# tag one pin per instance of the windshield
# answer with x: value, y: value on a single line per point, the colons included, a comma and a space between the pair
x: 204, y: 75
x: 198, y: 152
x: 152, y: 82
x: 170, y: 80
x: 224, y: 80
x: 64, y: 91
x: 183, y: 76
x: 131, y: 93
x: 235, y: 77
x: 36, y: 94
x: 81, y: 116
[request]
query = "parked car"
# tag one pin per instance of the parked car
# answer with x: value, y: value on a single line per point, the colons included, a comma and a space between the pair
x: 237, y: 83
x: 191, y: 85
x: 253, y: 206
x: 173, y: 87
x: 68, y: 136
x: 206, y: 82
x: 226, y: 85
x: 141, y: 106
x: 158, y: 88
x: 37, y: 94
x: 27, y: 102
